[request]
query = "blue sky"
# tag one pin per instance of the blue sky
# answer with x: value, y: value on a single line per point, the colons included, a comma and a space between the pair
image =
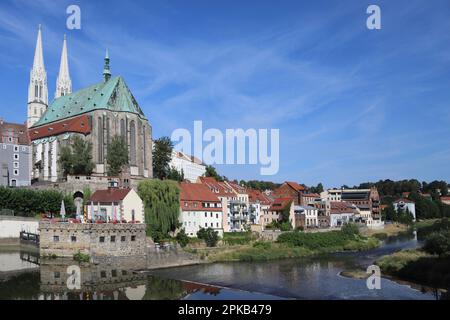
x: 352, y: 105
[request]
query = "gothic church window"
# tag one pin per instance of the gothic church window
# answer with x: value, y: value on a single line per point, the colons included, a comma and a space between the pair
x: 132, y: 143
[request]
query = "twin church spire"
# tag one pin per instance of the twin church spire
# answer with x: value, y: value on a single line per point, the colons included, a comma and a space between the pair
x: 63, y: 83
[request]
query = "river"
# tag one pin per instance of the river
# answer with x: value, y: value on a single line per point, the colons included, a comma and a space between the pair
x: 312, y: 278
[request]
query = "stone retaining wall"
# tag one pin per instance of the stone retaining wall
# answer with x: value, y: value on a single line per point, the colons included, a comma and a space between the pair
x: 97, y: 240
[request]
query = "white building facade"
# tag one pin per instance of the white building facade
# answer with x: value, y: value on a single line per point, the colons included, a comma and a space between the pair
x: 191, y: 167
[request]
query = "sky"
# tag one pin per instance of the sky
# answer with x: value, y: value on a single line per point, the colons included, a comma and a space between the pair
x: 352, y: 104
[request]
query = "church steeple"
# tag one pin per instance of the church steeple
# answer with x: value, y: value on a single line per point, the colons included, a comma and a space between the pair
x: 37, y: 89
x: 63, y: 83
x: 106, y: 70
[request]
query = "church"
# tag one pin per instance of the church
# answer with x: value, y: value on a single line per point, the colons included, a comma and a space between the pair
x: 96, y: 113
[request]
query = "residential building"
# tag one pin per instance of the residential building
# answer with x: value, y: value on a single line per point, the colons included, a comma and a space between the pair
x: 275, y: 212
x: 291, y: 190
x: 239, y: 207
x: 200, y: 208
x: 341, y: 213
x: 310, y: 216
x: 259, y: 205
x: 367, y: 201
x: 226, y: 195
x: 191, y: 166
x: 15, y: 152
x: 403, y: 204
x: 116, y: 204
x: 310, y: 198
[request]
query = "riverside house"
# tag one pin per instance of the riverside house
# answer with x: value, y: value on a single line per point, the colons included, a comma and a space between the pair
x: 115, y: 204
x: 200, y: 208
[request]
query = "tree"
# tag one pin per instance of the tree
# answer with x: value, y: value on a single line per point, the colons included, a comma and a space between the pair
x: 389, y: 213
x: 76, y: 159
x: 117, y: 156
x: 211, y: 172
x: 438, y: 243
x: 210, y: 236
x: 182, y: 238
x: 175, y: 175
x: 162, y: 154
x: 162, y: 206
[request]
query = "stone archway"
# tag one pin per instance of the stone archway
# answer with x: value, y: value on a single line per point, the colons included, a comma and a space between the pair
x: 78, y: 201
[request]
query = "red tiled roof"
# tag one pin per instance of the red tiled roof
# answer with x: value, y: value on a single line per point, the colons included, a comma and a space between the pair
x: 446, y: 198
x: 109, y: 195
x: 311, y: 195
x: 218, y: 188
x: 196, y: 192
x: 280, y: 204
x: 79, y: 124
x: 18, y: 132
x: 341, y: 206
x: 295, y: 186
x: 256, y: 195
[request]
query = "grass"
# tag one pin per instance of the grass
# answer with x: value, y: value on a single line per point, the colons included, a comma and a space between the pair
x: 237, y: 238
x: 395, y: 262
x: 389, y: 230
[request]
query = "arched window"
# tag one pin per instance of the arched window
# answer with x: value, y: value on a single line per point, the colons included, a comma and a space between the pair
x: 144, y: 147
x: 36, y: 91
x: 133, y: 143
x: 122, y: 128
x: 100, y: 140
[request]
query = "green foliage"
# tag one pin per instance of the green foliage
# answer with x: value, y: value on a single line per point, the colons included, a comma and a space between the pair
x: 162, y: 206
x: 259, y: 185
x: 425, y: 208
x: 175, y: 175
x: 76, y: 159
x: 237, y: 238
x: 162, y: 154
x: 318, y: 189
x: 210, y: 236
x: 262, y: 244
x: 438, y: 243
x: 285, y: 226
x: 182, y: 238
x: 285, y: 213
x: 81, y: 257
x: 211, y: 172
x: 317, y: 240
x: 350, y: 230
x: 29, y: 202
x: 117, y: 156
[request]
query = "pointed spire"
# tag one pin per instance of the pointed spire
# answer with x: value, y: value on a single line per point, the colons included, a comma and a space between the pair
x: 106, y: 70
x: 63, y: 83
x: 38, y: 62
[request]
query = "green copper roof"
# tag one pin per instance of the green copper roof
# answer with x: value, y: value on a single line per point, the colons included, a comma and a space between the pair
x: 112, y: 95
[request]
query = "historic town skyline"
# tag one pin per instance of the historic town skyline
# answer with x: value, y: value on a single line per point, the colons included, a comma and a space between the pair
x: 363, y: 105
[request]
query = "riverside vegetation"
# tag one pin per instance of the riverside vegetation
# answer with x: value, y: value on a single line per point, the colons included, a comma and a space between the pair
x: 429, y: 265
x: 294, y: 244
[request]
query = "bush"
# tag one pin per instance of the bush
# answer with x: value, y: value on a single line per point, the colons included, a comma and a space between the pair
x: 438, y: 243
x: 262, y: 244
x: 237, y: 238
x: 210, y: 236
x: 350, y: 229
x: 286, y: 226
x: 182, y: 238
x: 81, y: 257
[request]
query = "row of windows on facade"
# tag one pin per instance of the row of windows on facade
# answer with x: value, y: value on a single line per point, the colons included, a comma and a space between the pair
x: 205, y: 205
x: 188, y: 223
x: 104, y: 127
x: 16, y: 148
x: 100, y: 239
x: 206, y: 214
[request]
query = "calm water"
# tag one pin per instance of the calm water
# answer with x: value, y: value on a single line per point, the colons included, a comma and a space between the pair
x: 315, y: 278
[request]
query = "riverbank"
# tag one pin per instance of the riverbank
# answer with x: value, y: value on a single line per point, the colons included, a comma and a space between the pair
x: 290, y: 245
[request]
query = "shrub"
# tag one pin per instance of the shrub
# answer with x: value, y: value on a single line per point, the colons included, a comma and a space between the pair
x: 210, y: 236
x: 262, y: 244
x: 81, y: 257
x: 350, y: 229
x: 237, y: 238
x: 438, y: 243
x: 182, y: 238
x: 286, y: 226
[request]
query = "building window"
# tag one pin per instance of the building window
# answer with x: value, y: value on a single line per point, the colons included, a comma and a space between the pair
x: 24, y: 149
x: 206, y: 225
x: 4, y: 147
x: 101, y: 239
x: 16, y: 164
x: 55, y: 238
x: 16, y: 156
x: 73, y: 239
x: 57, y: 275
x: 132, y: 143
x: 217, y: 216
x: 16, y: 172
x: 206, y: 214
x: 16, y: 148
x: 133, y: 238
x: 123, y: 238
x: 113, y: 238
x: 103, y: 274
x: 100, y: 140
x: 114, y: 273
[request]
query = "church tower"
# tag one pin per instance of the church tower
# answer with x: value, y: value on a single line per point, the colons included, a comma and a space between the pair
x: 37, y: 89
x: 63, y: 83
